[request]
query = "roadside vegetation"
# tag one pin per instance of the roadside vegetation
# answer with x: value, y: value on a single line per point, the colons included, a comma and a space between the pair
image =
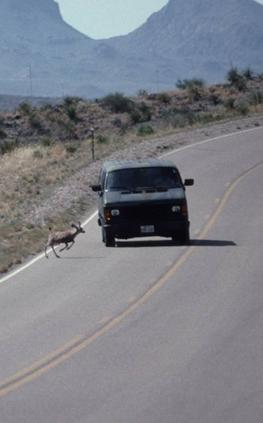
x: 41, y: 148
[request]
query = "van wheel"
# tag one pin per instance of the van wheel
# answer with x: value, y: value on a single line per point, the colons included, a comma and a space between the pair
x: 184, y: 237
x: 108, y: 239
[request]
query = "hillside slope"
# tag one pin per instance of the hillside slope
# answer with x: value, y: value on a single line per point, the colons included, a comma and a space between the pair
x: 199, y: 38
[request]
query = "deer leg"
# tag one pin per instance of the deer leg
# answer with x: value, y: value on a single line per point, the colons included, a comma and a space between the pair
x: 46, y: 251
x: 73, y: 242
x: 66, y: 247
x: 54, y: 251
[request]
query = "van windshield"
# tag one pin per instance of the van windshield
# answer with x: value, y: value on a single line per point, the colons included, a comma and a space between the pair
x: 149, y: 177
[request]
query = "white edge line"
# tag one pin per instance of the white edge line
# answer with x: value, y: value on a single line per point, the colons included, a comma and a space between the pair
x: 90, y: 218
x: 40, y: 256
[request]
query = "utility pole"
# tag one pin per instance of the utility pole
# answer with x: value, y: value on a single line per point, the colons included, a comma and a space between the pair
x: 157, y: 80
x: 30, y: 80
x: 92, y: 144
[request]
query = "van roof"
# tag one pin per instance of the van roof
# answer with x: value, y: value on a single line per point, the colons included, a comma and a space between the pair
x: 111, y: 165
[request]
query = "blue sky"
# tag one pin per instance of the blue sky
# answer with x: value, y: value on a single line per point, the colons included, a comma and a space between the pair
x: 107, y: 18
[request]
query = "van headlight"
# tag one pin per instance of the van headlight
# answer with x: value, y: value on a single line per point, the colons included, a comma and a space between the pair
x: 115, y: 212
x: 176, y: 209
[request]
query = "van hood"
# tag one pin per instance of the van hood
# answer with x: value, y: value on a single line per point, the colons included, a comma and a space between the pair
x: 127, y: 197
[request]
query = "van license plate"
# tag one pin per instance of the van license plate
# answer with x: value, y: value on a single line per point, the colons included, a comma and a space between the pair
x: 147, y: 229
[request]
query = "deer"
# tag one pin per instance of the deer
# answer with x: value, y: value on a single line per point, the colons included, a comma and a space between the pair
x: 63, y: 237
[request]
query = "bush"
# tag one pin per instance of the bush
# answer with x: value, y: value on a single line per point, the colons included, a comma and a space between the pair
x: 230, y: 103
x: 46, y: 142
x: 236, y: 79
x: 215, y: 99
x: 243, y: 108
x: 72, y: 113
x: 189, y: 83
x: 142, y: 93
x: 140, y: 113
x: 164, y: 98
x: 71, y: 149
x: 2, y: 134
x: 25, y: 108
x: 179, y: 120
x: 35, y: 121
x: 102, y: 139
x: 118, y: 103
x: 248, y: 74
x: 7, y: 146
x: 69, y: 101
x: 256, y: 97
x: 195, y: 93
x: 145, y: 130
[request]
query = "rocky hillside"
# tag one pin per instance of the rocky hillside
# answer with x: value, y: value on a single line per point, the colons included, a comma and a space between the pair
x: 198, y: 39
x: 42, y: 55
x: 116, y: 116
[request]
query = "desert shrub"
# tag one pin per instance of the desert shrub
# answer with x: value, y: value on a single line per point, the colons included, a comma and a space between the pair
x: 242, y: 107
x: 70, y: 107
x: 46, y: 107
x: 71, y: 148
x: 236, y: 79
x: 7, y: 146
x: 206, y: 117
x: 117, y: 103
x: 35, y: 121
x: 2, y: 134
x: 164, y: 98
x: 25, y: 108
x: 142, y: 93
x: 194, y: 87
x: 195, y: 93
x: 188, y: 83
x: 102, y: 139
x: 179, y: 120
x: 71, y: 100
x: 140, y: 113
x: 68, y: 127
x: 144, y: 130
x: 71, y: 111
x: 248, y: 74
x: 215, y: 99
x: 256, y: 97
x: 46, y: 142
x: 229, y: 103
x: 117, y: 122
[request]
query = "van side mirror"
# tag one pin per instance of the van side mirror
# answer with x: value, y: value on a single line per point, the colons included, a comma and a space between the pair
x: 96, y: 188
x: 188, y: 182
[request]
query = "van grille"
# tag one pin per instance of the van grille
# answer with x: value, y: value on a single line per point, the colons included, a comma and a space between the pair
x: 148, y: 212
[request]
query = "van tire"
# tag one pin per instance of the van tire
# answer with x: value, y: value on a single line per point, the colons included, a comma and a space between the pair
x: 107, y: 238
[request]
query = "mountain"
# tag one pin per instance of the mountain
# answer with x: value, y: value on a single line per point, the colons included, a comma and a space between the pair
x: 42, y: 54
x: 203, y: 38
x: 38, y: 48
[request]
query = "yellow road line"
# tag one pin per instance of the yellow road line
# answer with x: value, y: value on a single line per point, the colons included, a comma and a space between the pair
x: 76, y: 345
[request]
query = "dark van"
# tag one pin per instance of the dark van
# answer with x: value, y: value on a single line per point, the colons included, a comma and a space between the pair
x: 139, y: 198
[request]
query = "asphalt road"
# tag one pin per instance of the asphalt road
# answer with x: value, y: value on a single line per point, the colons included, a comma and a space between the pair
x: 148, y: 332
